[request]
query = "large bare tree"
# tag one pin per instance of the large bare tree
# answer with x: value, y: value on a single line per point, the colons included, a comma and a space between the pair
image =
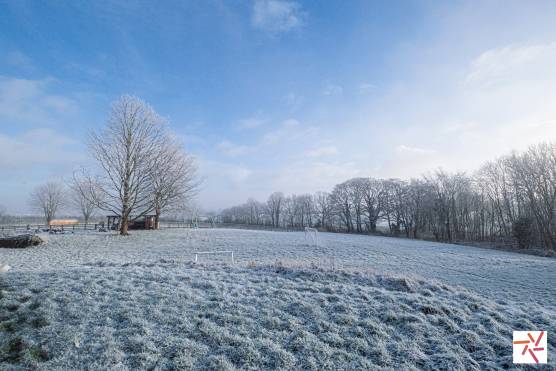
x: 126, y: 151
x: 48, y: 199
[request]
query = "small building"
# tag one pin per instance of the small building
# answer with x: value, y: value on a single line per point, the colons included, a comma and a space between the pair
x: 142, y: 222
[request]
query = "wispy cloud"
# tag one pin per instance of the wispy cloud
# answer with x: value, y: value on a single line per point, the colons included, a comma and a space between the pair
x: 403, y: 149
x: 37, y: 147
x: 288, y: 130
x: 293, y: 100
x: 332, y: 89
x: 366, y: 87
x: 509, y: 63
x: 323, y: 151
x: 30, y: 102
x: 276, y: 16
x: 251, y: 122
x: 233, y: 150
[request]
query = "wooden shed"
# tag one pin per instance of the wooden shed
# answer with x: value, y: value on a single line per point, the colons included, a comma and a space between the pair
x: 143, y: 222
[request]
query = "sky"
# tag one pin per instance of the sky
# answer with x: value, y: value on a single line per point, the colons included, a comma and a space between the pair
x: 277, y: 95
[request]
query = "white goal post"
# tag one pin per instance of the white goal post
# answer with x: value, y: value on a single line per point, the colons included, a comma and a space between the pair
x: 313, y: 235
x: 213, y: 252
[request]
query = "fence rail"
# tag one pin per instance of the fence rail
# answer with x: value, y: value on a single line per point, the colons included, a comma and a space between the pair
x: 45, y: 227
x: 32, y: 228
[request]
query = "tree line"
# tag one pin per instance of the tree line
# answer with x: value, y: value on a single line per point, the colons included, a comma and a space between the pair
x: 141, y: 168
x: 509, y: 200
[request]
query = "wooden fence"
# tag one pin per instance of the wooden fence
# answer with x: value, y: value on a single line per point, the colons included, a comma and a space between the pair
x: 30, y: 228
x: 33, y: 228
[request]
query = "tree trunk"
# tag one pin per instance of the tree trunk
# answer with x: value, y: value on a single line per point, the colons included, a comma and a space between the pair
x: 157, y: 213
x: 124, y: 226
x: 124, y: 222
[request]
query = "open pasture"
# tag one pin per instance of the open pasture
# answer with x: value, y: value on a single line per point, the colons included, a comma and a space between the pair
x: 98, y: 301
x: 498, y: 274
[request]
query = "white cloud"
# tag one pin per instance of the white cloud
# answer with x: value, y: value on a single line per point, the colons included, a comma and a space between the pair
x: 36, y: 147
x: 324, y: 151
x: 510, y: 63
x: 287, y: 131
x: 33, y: 157
x: 277, y: 16
x: 233, y: 150
x: 251, y: 123
x: 365, y: 88
x: 236, y: 174
x: 293, y: 100
x: 311, y: 176
x: 407, y: 161
x: 290, y: 123
x: 29, y: 102
x: 225, y: 184
x: 35, y: 140
x: 332, y: 89
x: 403, y: 149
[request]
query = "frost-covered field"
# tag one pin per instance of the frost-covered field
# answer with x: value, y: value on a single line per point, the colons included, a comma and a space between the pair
x: 498, y: 274
x: 105, y: 302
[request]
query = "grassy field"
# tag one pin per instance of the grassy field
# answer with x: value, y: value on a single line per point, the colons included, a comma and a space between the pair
x: 103, y: 302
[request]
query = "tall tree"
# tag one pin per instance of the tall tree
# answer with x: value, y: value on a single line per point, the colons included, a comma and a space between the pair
x: 126, y: 151
x: 274, y: 204
x: 323, y: 209
x: 343, y: 206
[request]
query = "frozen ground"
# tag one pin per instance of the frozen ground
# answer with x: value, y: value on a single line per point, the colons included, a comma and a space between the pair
x: 497, y: 274
x: 105, y: 302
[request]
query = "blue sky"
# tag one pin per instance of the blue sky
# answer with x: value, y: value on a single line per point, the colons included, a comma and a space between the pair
x: 278, y: 95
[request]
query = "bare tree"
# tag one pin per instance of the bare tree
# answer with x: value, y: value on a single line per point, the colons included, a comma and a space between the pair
x: 126, y: 150
x: 343, y: 204
x: 323, y: 209
x: 173, y: 176
x: 357, y: 187
x: 274, y: 204
x: 536, y: 174
x: 48, y: 199
x: 373, y: 200
x: 85, y: 194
